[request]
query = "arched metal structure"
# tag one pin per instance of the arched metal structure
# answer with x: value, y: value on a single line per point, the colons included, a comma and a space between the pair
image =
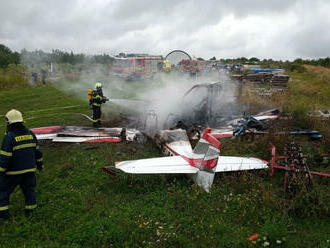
x: 176, y: 56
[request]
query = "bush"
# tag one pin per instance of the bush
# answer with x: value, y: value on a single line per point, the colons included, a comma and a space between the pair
x: 12, y: 76
x: 295, y: 67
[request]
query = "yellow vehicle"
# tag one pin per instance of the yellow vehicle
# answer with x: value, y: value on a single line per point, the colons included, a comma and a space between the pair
x: 167, y: 65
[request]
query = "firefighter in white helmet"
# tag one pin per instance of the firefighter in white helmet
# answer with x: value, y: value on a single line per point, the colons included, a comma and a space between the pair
x: 96, y: 101
x: 20, y: 157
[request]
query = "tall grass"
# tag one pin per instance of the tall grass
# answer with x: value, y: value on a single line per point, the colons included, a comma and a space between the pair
x: 13, y: 76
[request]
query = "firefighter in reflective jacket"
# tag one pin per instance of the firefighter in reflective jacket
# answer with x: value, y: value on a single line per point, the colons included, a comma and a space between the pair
x: 96, y: 100
x: 20, y: 156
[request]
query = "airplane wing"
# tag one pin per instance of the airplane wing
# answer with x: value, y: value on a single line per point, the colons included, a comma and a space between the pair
x: 228, y: 163
x: 178, y: 165
x: 162, y: 165
x: 86, y: 139
x: 46, y: 130
x: 78, y: 134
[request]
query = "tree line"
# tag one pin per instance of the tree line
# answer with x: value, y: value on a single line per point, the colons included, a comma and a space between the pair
x: 325, y: 62
x: 8, y: 57
x: 39, y: 57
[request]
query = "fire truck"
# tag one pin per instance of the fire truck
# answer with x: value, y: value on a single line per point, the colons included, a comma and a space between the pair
x: 140, y: 67
x: 191, y: 66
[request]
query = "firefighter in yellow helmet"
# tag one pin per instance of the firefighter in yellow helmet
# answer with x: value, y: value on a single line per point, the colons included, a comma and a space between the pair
x: 96, y: 101
x: 20, y: 157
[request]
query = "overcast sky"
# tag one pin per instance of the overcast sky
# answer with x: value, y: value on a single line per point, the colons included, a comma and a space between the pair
x: 280, y: 29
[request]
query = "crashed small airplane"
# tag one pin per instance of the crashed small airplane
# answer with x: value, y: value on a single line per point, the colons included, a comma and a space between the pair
x: 201, y: 163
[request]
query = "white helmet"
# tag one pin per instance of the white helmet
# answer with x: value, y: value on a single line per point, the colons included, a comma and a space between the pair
x: 98, y: 85
x: 14, y: 116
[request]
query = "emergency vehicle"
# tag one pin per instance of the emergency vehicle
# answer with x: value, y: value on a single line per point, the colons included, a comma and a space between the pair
x: 131, y: 68
x: 191, y: 66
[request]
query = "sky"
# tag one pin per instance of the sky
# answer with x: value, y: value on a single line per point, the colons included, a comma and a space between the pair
x: 277, y: 29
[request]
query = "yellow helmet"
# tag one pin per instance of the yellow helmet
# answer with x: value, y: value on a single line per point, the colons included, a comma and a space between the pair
x: 14, y: 116
x: 98, y: 85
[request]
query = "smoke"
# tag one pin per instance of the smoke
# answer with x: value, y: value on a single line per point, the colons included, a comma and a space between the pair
x: 162, y: 95
x: 165, y: 96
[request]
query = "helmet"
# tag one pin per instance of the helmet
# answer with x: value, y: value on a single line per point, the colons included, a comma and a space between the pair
x: 14, y: 116
x: 98, y: 85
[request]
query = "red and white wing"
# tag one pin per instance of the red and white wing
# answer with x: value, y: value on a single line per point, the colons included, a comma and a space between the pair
x: 76, y: 134
x: 43, y: 133
x: 178, y: 165
x: 163, y: 165
x: 228, y: 163
x: 86, y: 139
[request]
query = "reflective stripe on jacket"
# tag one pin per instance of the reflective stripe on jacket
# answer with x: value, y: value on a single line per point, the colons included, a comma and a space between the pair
x: 20, y: 153
x: 97, y: 98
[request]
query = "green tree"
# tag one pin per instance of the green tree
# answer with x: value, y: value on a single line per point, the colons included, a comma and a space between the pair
x: 254, y: 60
x: 8, y: 57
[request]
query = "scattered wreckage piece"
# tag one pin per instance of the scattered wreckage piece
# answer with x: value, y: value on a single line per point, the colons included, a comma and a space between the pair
x: 247, y: 124
x: 280, y: 81
x: 251, y: 133
x: 223, y: 133
x: 204, y: 101
x: 267, y: 93
x: 321, y: 113
x: 201, y: 163
x: 262, y: 77
x: 77, y: 134
x: 234, y: 127
x: 294, y: 164
x: 267, y: 75
x: 251, y: 126
x: 173, y: 142
x: 87, y: 139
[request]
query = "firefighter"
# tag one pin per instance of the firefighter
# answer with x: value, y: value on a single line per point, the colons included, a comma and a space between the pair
x: 20, y: 156
x: 96, y: 101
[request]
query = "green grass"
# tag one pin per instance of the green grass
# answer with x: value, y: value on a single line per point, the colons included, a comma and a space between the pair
x: 81, y: 206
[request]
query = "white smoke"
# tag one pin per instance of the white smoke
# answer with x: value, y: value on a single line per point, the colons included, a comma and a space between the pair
x: 164, y: 94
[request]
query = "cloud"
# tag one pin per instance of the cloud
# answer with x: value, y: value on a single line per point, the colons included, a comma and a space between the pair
x: 266, y: 29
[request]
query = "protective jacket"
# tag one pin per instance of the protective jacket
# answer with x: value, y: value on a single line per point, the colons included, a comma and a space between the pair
x: 20, y: 153
x: 97, y: 98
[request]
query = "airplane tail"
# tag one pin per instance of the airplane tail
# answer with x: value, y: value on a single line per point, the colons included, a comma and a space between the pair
x: 206, y: 153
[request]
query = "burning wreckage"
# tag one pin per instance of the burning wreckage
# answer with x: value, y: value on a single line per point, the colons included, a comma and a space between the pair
x: 200, y: 110
x: 202, y: 106
x: 203, y: 161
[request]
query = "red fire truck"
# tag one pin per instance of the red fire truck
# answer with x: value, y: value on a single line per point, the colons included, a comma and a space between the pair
x: 191, y: 66
x: 131, y: 68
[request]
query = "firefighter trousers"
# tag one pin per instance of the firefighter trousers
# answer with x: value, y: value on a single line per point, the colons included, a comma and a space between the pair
x: 96, y: 116
x: 8, y: 183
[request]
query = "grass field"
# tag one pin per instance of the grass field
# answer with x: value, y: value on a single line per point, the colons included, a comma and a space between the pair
x: 81, y: 206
